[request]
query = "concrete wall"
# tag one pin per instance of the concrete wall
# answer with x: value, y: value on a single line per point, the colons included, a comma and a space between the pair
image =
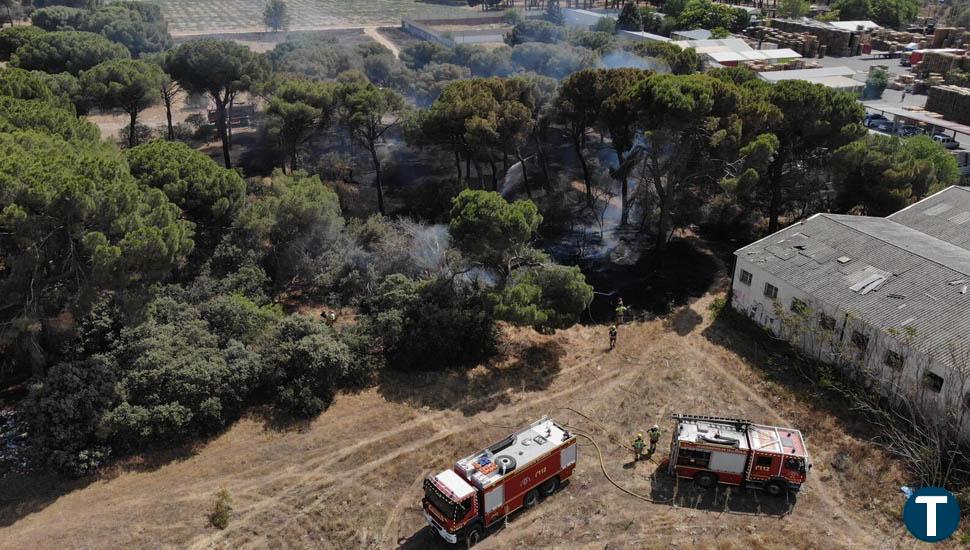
x: 836, y: 346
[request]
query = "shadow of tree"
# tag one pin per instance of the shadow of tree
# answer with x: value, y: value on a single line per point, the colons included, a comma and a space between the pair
x: 683, y: 321
x: 522, y: 368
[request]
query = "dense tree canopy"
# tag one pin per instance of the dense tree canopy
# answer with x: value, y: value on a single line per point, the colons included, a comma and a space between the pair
x: 878, y: 175
x: 73, y: 218
x: 126, y: 84
x: 221, y: 69
x: 14, y: 37
x: 66, y: 51
x: 487, y: 227
x: 207, y: 193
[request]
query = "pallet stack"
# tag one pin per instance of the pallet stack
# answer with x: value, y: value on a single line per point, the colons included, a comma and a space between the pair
x: 953, y: 102
x: 838, y: 42
x: 804, y: 43
x: 888, y: 40
x: 950, y: 37
x: 941, y: 62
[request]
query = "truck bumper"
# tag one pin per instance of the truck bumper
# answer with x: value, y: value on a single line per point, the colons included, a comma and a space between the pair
x: 441, y: 531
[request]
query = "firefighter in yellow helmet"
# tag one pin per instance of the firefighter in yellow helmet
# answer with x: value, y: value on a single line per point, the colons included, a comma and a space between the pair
x: 638, y: 446
x: 654, y: 438
x: 612, y: 336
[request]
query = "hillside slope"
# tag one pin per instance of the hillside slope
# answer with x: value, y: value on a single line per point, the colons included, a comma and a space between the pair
x: 351, y: 477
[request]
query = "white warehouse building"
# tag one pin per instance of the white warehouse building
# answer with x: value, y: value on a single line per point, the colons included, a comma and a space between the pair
x: 889, y: 295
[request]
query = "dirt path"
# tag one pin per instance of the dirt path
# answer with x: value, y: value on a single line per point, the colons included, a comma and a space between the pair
x: 382, y: 40
x: 351, y: 478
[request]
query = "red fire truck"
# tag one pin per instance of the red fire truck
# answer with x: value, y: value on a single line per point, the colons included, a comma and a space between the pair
x: 733, y: 451
x: 484, y: 487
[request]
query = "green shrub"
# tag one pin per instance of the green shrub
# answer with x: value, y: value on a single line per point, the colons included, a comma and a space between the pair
x: 716, y: 306
x: 221, y: 510
x: 428, y: 324
x: 304, y: 361
x: 65, y: 410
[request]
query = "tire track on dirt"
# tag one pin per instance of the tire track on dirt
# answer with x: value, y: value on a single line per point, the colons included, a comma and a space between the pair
x: 600, y: 385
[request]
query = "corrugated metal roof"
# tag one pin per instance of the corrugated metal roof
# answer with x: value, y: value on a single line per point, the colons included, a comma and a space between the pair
x: 897, y: 279
x: 944, y: 215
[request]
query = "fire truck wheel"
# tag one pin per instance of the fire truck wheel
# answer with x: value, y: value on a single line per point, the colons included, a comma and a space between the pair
x: 531, y: 498
x: 705, y: 480
x: 549, y: 487
x: 775, y: 488
x: 471, y: 539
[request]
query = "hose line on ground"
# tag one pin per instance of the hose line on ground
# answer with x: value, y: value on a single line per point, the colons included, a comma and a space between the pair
x: 609, y: 478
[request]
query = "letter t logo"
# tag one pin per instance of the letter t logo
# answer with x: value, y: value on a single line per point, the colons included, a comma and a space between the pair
x: 931, y: 502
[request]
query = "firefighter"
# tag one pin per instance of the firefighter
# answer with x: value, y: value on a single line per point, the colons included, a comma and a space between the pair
x: 638, y: 446
x: 612, y: 336
x: 329, y: 317
x: 620, y: 311
x: 654, y: 438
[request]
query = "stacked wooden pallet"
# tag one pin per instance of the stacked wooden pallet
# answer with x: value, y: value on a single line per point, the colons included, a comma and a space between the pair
x: 953, y: 102
x: 950, y: 37
x: 804, y: 43
x: 888, y: 40
x: 837, y: 42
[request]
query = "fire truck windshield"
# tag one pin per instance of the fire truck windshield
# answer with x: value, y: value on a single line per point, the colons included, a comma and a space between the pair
x: 444, y: 505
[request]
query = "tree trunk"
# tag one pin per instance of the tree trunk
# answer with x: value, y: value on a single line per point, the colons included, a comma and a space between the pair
x: 541, y: 155
x: 491, y: 164
x: 133, y: 114
x: 378, y: 182
x: 461, y: 182
x: 525, y: 173
x: 221, y: 128
x: 624, y: 183
x: 774, y: 204
x: 168, y: 115
x: 663, y: 227
x: 577, y: 145
x: 478, y: 174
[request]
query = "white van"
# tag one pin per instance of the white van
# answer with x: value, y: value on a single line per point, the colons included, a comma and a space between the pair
x: 946, y: 141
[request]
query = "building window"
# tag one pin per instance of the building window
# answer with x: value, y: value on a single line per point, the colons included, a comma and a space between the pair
x: 771, y: 291
x: 745, y: 277
x: 933, y: 382
x: 893, y: 359
x: 860, y: 340
x: 693, y: 459
x: 826, y: 322
x: 799, y: 306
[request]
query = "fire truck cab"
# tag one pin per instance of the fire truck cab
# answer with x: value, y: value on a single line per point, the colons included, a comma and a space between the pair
x: 482, y: 488
x: 733, y: 451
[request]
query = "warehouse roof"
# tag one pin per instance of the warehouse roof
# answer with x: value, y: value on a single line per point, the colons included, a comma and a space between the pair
x: 893, y: 277
x: 854, y: 25
x: 754, y: 55
x: 693, y: 34
x: 945, y: 215
x: 807, y: 74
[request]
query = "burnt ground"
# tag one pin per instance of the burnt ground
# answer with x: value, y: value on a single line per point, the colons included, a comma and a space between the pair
x: 352, y: 476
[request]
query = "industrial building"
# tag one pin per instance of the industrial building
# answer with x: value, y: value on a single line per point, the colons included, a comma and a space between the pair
x: 885, y: 295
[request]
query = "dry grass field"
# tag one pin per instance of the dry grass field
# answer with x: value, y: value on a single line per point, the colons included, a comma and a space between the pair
x: 351, y: 478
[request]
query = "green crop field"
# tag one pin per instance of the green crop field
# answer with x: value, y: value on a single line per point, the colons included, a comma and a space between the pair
x: 196, y: 16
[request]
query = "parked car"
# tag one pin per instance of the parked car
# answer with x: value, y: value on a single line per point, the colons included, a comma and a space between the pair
x: 872, y: 118
x: 886, y: 126
x: 907, y: 130
x: 946, y: 141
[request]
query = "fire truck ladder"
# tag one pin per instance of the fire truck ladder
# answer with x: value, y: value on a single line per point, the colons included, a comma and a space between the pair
x: 741, y: 423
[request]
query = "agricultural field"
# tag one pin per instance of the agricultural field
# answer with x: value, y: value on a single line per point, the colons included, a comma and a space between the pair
x: 187, y: 17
